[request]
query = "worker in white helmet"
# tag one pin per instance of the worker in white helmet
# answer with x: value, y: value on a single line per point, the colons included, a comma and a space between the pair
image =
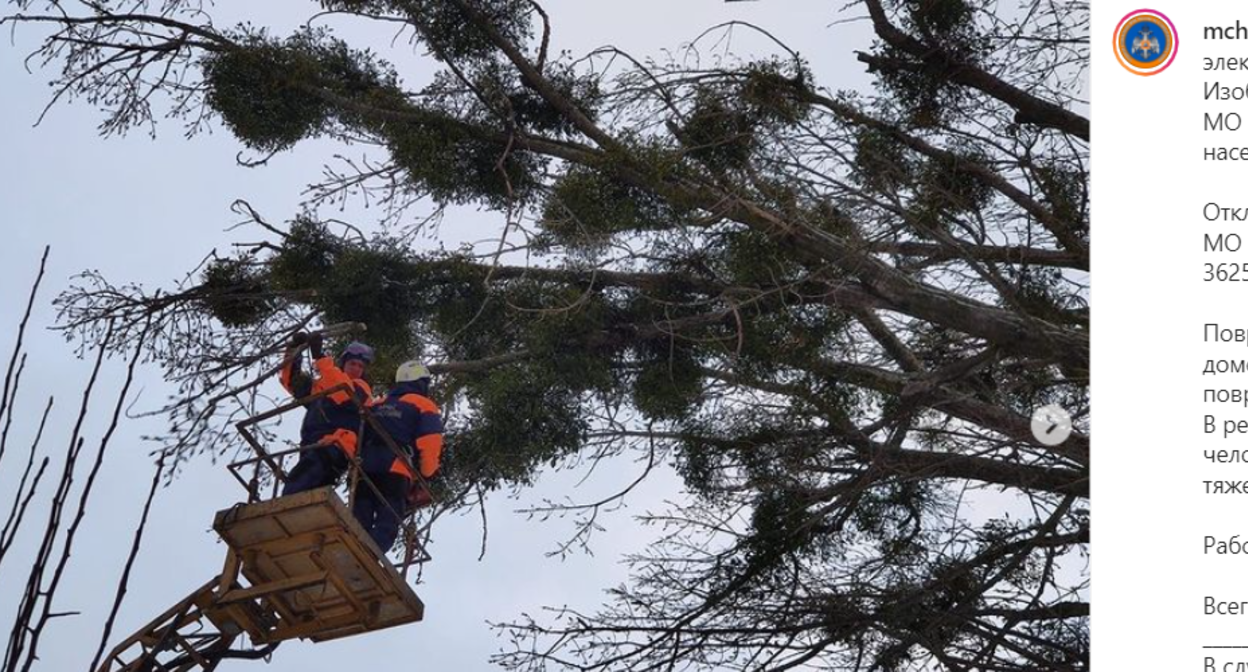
x: 411, y: 418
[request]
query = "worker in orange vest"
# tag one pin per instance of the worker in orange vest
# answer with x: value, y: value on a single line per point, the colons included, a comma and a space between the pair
x: 332, y: 422
x: 411, y: 418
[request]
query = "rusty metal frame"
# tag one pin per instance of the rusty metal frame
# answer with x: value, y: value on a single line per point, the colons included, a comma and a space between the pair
x: 165, y: 634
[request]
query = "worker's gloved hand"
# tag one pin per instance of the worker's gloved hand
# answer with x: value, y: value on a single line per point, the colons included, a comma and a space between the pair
x: 298, y: 339
x: 316, y: 345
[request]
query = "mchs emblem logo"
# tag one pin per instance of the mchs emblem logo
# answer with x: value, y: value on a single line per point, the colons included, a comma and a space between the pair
x: 1145, y: 42
x: 1145, y: 46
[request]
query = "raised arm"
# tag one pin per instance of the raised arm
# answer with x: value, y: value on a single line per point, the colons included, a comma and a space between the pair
x: 292, y: 376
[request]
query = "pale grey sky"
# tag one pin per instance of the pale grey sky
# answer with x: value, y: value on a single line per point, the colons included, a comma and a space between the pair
x: 146, y: 211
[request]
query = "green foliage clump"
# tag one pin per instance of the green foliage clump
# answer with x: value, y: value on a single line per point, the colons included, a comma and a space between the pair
x: 718, y: 131
x: 274, y: 93
x: 523, y: 419
x: 379, y: 283
x: 947, y: 184
x: 1066, y: 194
x: 820, y: 214
x: 698, y: 464
x: 781, y: 525
x: 752, y: 258
x: 923, y: 90
x: 456, y: 305
x: 798, y: 335
x: 257, y: 91
x: 373, y: 284
x: 529, y: 110
x: 882, y: 163
x: 271, y: 92
x: 399, y: 295
x: 587, y: 207
x: 937, y: 346
x: 1039, y: 291
x: 668, y: 384
x: 891, y: 514
x: 711, y: 447
x: 235, y: 291
x: 306, y: 258
x: 721, y: 130
x: 655, y: 160
x: 828, y: 217
x: 940, y: 18
x: 567, y: 327
x: 451, y: 164
x: 448, y: 31
x: 776, y: 91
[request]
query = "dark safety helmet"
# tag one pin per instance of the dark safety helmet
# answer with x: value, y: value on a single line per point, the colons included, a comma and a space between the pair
x: 356, y: 350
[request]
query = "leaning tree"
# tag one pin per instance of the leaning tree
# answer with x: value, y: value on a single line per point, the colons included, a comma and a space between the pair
x: 832, y: 313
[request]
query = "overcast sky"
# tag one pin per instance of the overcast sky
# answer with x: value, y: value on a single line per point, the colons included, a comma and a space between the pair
x: 145, y: 211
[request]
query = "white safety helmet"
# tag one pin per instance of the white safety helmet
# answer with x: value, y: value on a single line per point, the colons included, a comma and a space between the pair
x: 411, y: 371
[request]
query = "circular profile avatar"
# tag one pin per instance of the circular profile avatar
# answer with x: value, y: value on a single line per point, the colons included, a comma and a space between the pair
x: 1145, y: 42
